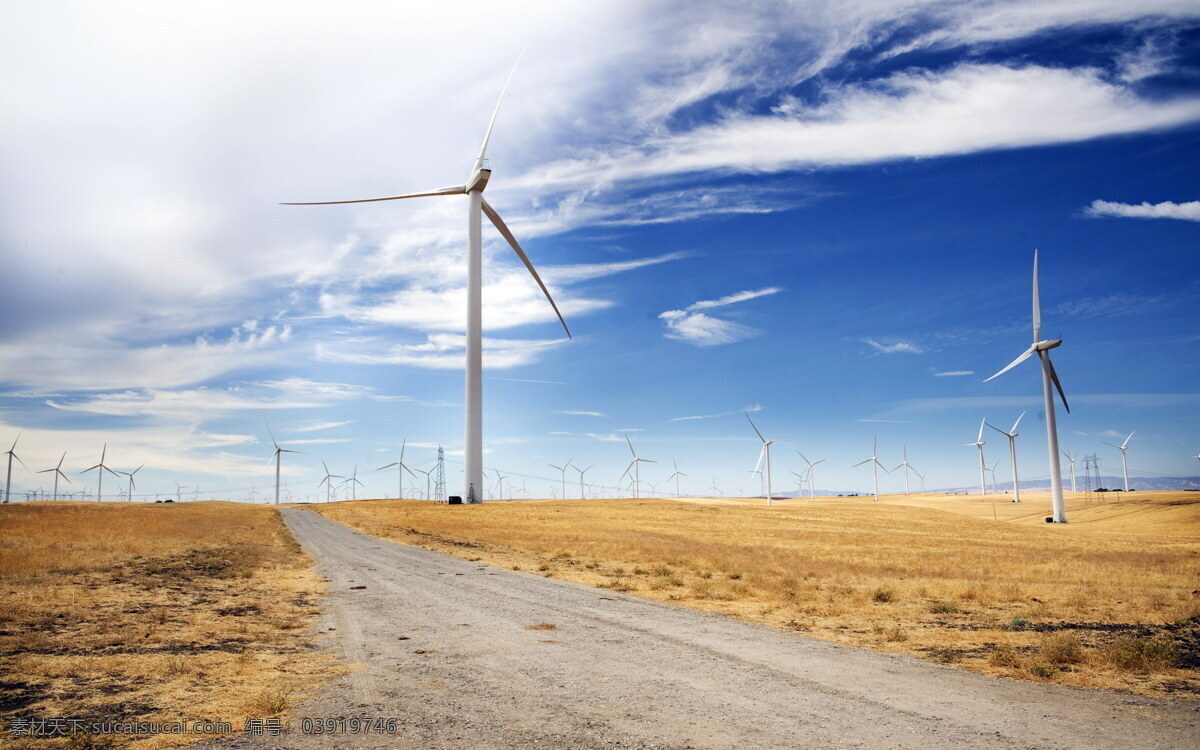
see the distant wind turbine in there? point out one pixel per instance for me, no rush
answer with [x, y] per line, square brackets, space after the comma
[714, 486]
[100, 469]
[635, 465]
[811, 473]
[1071, 459]
[875, 465]
[11, 453]
[57, 473]
[1012, 454]
[764, 452]
[473, 188]
[1049, 376]
[676, 477]
[800, 482]
[979, 443]
[278, 453]
[328, 481]
[1124, 465]
[992, 471]
[563, 477]
[907, 468]
[401, 467]
[130, 475]
[353, 480]
[179, 492]
[581, 473]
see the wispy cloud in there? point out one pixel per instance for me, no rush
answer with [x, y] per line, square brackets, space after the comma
[752, 409]
[695, 327]
[896, 347]
[1117, 304]
[887, 421]
[446, 351]
[314, 441]
[318, 426]
[953, 373]
[582, 413]
[1189, 211]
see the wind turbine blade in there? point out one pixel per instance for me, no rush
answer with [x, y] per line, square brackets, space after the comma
[97, 466]
[414, 476]
[488, 135]
[979, 439]
[627, 469]
[756, 432]
[631, 450]
[273, 440]
[814, 463]
[455, 190]
[1014, 427]
[761, 452]
[394, 463]
[18, 437]
[46, 471]
[997, 429]
[1024, 356]
[1057, 384]
[14, 455]
[647, 461]
[110, 471]
[864, 461]
[512, 241]
[885, 469]
[1127, 440]
[1037, 305]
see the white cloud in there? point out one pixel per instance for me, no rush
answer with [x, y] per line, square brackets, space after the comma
[953, 373]
[697, 328]
[318, 426]
[446, 351]
[896, 347]
[582, 413]
[751, 409]
[1118, 304]
[1189, 211]
[314, 441]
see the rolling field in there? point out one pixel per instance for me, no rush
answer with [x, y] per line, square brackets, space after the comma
[174, 612]
[1106, 601]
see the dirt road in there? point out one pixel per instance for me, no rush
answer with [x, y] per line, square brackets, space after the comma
[449, 650]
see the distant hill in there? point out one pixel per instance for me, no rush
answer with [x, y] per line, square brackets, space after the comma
[1147, 484]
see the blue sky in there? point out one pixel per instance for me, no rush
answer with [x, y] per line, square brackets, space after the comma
[821, 213]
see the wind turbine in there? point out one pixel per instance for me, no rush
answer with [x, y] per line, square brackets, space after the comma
[473, 188]
[992, 471]
[765, 452]
[635, 464]
[57, 473]
[278, 452]
[1071, 458]
[327, 481]
[1042, 349]
[500, 483]
[581, 473]
[800, 482]
[11, 453]
[1124, 465]
[875, 465]
[130, 475]
[1012, 453]
[811, 473]
[100, 469]
[563, 470]
[922, 476]
[907, 468]
[353, 480]
[676, 477]
[979, 443]
[714, 486]
[401, 467]
[427, 479]
[179, 492]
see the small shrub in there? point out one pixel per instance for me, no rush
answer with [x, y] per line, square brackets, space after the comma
[592, 565]
[944, 655]
[883, 596]
[1019, 623]
[1042, 670]
[1142, 654]
[735, 576]
[1062, 648]
[177, 666]
[270, 703]
[1004, 656]
[662, 570]
[895, 634]
[943, 608]
[516, 567]
[639, 571]
[543, 568]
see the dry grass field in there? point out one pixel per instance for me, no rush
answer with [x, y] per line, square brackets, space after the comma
[1109, 600]
[173, 612]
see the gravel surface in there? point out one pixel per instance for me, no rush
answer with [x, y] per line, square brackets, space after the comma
[448, 651]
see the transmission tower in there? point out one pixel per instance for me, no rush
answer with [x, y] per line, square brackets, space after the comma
[1090, 464]
[439, 484]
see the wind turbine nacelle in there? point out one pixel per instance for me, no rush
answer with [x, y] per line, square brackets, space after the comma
[1042, 346]
[478, 179]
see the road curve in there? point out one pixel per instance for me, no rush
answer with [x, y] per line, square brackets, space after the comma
[447, 651]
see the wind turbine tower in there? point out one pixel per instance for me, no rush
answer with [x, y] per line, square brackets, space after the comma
[1124, 465]
[11, 453]
[563, 474]
[100, 469]
[907, 468]
[1012, 453]
[676, 477]
[764, 452]
[811, 473]
[1049, 376]
[57, 473]
[875, 465]
[131, 485]
[473, 188]
[401, 467]
[278, 452]
[979, 444]
[636, 466]
[1071, 459]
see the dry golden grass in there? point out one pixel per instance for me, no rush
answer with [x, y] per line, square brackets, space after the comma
[1099, 602]
[172, 612]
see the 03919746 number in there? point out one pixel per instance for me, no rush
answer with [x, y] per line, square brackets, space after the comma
[347, 725]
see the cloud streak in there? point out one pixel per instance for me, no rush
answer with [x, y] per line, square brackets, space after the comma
[697, 328]
[1189, 211]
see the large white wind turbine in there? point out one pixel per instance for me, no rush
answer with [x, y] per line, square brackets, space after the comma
[1072, 459]
[979, 443]
[764, 452]
[676, 477]
[11, 453]
[907, 468]
[278, 452]
[100, 469]
[811, 473]
[1049, 376]
[401, 467]
[130, 475]
[1124, 465]
[635, 465]
[563, 476]
[57, 473]
[875, 465]
[1012, 453]
[473, 188]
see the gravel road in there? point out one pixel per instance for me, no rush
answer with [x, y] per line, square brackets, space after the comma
[448, 651]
